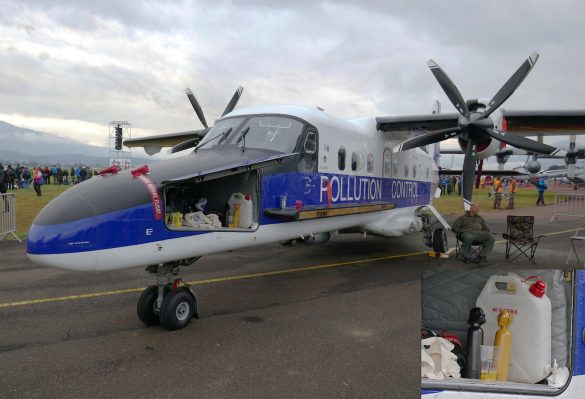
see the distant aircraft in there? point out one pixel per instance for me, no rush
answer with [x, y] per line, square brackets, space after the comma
[261, 175]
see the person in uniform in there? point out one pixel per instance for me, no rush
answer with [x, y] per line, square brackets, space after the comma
[471, 229]
[498, 191]
[512, 188]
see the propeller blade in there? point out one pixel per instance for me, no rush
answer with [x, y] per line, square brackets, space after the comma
[468, 173]
[430, 138]
[183, 145]
[520, 142]
[511, 85]
[449, 88]
[196, 107]
[232, 104]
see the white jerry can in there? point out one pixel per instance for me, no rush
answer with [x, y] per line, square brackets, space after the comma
[246, 218]
[530, 352]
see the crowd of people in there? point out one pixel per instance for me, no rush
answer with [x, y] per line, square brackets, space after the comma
[23, 177]
[501, 187]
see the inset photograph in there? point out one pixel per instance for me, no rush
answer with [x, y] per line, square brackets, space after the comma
[503, 333]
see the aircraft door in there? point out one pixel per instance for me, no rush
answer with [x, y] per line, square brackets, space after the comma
[387, 171]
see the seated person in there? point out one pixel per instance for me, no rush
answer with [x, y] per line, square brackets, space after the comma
[471, 229]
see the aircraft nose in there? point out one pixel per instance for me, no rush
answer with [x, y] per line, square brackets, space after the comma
[61, 235]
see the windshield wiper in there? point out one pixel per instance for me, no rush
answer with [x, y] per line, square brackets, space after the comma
[243, 137]
[223, 136]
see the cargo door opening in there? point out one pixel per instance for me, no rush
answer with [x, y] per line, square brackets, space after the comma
[449, 295]
[226, 203]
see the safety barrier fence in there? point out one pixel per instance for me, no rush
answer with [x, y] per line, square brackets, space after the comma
[8, 216]
[569, 205]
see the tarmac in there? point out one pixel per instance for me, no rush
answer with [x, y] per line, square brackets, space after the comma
[336, 320]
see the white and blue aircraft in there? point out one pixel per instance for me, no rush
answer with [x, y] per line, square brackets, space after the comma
[296, 172]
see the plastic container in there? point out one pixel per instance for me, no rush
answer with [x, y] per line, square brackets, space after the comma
[530, 352]
[472, 368]
[246, 218]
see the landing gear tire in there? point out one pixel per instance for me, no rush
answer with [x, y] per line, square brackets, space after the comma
[146, 306]
[177, 309]
[440, 240]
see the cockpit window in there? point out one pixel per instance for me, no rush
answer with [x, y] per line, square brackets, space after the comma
[221, 132]
[275, 133]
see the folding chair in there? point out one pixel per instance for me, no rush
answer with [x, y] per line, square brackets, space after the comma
[520, 238]
[576, 238]
[475, 248]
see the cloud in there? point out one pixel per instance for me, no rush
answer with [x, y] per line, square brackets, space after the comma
[100, 61]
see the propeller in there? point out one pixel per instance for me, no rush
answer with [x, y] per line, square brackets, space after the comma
[196, 107]
[229, 108]
[235, 98]
[475, 125]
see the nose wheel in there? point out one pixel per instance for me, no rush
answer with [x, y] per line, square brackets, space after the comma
[177, 309]
[170, 303]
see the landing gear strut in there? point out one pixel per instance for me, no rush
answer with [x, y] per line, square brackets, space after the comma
[171, 302]
[435, 238]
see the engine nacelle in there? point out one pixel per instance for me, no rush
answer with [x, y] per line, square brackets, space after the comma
[533, 166]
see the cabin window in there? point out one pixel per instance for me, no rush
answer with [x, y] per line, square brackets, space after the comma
[357, 162]
[310, 146]
[413, 171]
[405, 170]
[427, 173]
[341, 158]
[370, 163]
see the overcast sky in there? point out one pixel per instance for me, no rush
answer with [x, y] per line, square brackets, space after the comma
[71, 67]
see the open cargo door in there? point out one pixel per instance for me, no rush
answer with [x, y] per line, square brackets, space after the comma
[223, 198]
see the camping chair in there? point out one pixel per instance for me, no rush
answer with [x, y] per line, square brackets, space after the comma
[475, 247]
[578, 237]
[520, 238]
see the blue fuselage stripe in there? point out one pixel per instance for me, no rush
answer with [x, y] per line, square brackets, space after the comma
[136, 225]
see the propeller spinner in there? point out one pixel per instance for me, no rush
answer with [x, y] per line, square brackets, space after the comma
[475, 126]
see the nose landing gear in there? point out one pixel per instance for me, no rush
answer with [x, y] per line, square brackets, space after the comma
[171, 302]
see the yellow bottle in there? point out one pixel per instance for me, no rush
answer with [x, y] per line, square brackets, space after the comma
[503, 341]
[237, 215]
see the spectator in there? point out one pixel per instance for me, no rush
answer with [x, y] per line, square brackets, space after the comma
[3, 188]
[541, 187]
[46, 175]
[65, 176]
[471, 229]
[498, 190]
[10, 177]
[26, 178]
[512, 188]
[18, 176]
[38, 182]
[83, 173]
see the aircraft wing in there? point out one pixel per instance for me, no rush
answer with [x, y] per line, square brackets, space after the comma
[547, 123]
[484, 172]
[153, 144]
[428, 122]
[525, 123]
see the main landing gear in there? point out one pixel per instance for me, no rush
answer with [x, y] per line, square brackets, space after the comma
[435, 238]
[171, 302]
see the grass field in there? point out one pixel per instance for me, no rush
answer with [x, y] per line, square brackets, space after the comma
[453, 204]
[28, 205]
